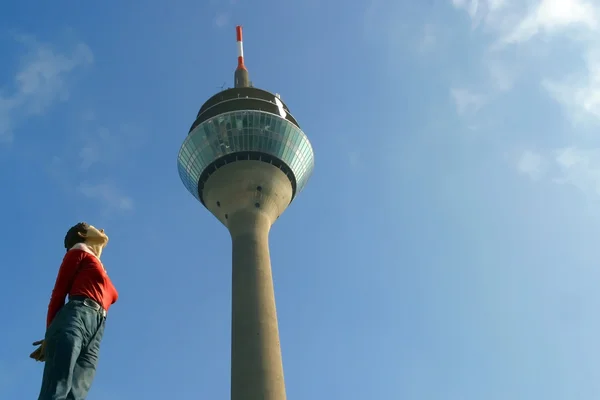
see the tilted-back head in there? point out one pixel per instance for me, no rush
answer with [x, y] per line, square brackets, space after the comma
[83, 232]
[76, 234]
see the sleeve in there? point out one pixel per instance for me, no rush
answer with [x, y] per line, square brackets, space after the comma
[66, 274]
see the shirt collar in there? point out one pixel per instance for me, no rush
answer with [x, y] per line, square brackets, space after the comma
[84, 247]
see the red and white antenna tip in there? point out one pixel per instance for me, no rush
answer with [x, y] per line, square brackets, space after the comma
[240, 46]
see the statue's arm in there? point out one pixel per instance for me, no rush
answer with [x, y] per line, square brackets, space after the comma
[66, 274]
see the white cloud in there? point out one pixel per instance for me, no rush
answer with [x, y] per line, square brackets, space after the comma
[530, 164]
[221, 19]
[467, 102]
[579, 94]
[428, 38]
[108, 195]
[502, 74]
[470, 5]
[580, 168]
[98, 147]
[40, 82]
[553, 15]
[517, 21]
[514, 22]
[89, 155]
[96, 151]
[481, 10]
[573, 166]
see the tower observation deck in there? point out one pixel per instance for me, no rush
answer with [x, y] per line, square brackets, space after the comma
[245, 159]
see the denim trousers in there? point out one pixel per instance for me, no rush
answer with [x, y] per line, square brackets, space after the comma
[72, 348]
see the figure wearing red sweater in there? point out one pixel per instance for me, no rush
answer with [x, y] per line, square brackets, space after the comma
[74, 330]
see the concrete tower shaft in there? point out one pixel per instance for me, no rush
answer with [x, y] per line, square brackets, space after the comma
[254, 194]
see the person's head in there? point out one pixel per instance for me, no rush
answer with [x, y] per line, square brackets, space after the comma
[88, 234]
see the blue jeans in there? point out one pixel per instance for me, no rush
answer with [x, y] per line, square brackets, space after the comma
[72, 347]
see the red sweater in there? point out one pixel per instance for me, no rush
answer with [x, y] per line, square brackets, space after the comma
[84, 273]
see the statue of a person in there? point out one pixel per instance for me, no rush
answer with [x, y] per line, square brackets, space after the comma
[74, 330]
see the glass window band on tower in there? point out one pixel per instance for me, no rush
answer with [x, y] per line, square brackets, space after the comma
[246, 134]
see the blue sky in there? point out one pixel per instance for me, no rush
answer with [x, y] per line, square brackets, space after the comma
[445, 247]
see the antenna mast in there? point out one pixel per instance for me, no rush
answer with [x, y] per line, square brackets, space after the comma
[241, 77]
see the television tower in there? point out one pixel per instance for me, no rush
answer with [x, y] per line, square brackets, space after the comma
[245, 159]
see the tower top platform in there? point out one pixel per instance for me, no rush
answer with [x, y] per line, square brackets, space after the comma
[243, 98]
[238, 125]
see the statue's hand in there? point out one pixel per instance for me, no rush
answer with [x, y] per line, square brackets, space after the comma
[39, 353]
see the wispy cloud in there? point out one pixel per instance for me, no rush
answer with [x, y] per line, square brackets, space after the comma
[530, 164]
[107, 195]
[223, 13]
[78, 181]
[428, 38]
[221, 19]
[551, 16]
[100, 145]
[511, 26]
[466, 101]
[515, 21]
[502, 74]
[94, 156]
[571, 166]
[41, 81]
[579, 168]
[481, 10]
[579, 93]
[471, 6]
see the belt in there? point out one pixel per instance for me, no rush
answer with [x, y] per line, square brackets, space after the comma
[90, 303]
